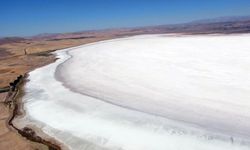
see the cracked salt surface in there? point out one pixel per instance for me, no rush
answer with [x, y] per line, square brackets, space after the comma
[150, 92]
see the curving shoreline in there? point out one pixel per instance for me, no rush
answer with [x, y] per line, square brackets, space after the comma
[29, 130]
[21, 111]
[32, 132]
[76, 96]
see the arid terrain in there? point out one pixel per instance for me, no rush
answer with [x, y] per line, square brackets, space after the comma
[21, 55]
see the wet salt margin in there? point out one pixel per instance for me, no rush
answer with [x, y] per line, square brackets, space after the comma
[93, 104]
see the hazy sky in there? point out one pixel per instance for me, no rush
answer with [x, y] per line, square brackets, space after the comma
[29, 17]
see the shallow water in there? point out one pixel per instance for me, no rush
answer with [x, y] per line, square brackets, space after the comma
[151, 92]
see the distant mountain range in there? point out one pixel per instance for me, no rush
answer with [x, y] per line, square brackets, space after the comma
[224, 25]
[223, 19]
[11, 40]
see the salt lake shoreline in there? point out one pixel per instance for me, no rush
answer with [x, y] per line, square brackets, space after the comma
[21, 111]
[30, 133]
